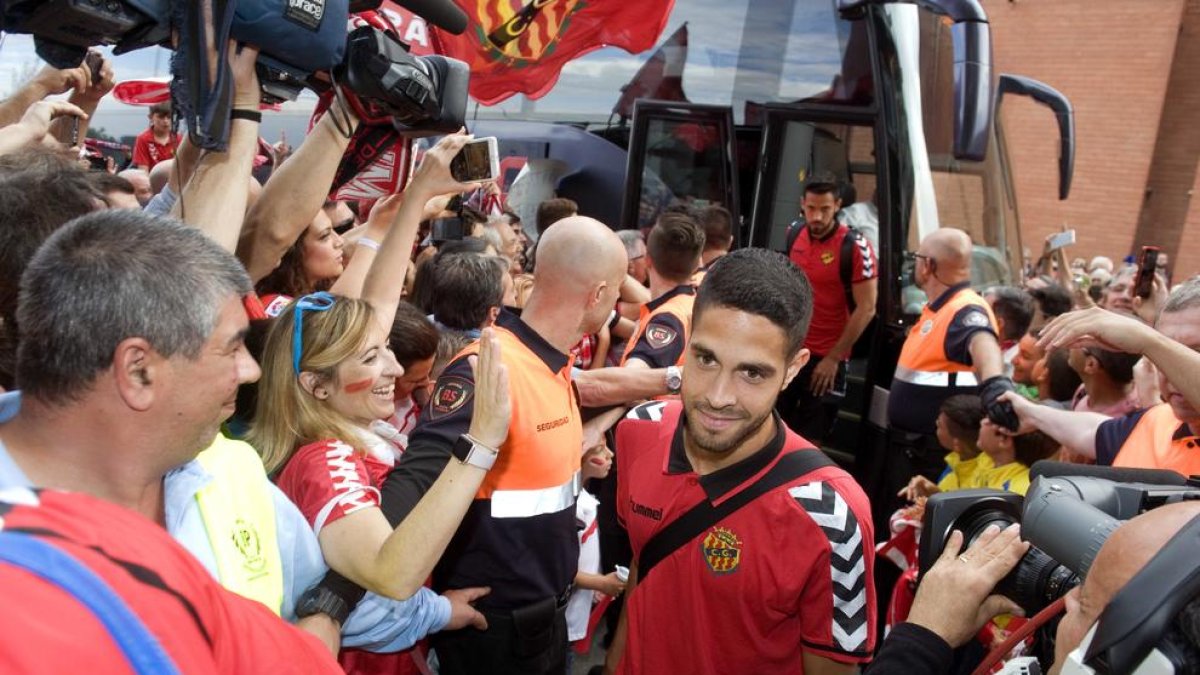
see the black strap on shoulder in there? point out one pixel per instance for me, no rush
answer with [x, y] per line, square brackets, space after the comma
[793, 233]
[704, 515]
[846, 265]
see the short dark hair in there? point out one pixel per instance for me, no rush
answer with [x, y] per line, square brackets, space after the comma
[1033, 447]
[466, 288]
[413, 337]
[1014, 306]
[738, 280]
[1064, 381]
[718, 227]
[1117, 365]
[1054, 300]
[87, 289]
[823, 183]
[41, 190]
[160, 109]
[674, 246]
[553, 210]
[964, 415]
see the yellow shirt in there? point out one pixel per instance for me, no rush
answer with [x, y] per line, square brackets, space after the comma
[1012, 477]
[963, 473]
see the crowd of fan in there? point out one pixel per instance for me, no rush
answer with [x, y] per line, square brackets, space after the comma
[137, 308]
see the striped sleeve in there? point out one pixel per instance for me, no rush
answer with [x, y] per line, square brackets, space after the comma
[846, 629]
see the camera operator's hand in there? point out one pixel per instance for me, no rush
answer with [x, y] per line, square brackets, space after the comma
[246, 92]
[1097, 328]
[955, 597]
[433, 177]
[489, 423]
[999, 409]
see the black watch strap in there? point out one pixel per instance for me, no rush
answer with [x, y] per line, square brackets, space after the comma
[319, 600]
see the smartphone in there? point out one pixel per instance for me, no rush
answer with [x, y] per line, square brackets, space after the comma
[1061, 240]
[442, 230]
[1146, 269]
[478, 161]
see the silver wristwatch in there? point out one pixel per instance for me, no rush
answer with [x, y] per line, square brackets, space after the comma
[470, 451]
[674, 379]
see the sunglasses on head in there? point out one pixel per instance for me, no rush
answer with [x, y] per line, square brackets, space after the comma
[313, 302]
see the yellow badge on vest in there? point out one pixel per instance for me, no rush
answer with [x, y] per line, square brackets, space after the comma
[722, 550]
[249, 545]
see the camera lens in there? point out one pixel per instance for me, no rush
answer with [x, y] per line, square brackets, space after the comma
[1037, 581]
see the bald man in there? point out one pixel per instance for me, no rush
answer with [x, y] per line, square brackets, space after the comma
[518, 537]
[952, 349]
[141, 185]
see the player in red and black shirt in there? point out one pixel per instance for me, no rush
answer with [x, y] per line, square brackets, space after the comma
[841, 266]
[782, 584]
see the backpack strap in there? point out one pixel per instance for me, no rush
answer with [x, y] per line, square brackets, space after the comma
[704, 515]
[141, 648]
[793, 233]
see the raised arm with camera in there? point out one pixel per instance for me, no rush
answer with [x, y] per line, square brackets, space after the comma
[214, 197]
[294, 194]
[34, 127]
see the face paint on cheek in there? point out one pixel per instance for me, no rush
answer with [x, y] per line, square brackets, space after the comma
[361, 385]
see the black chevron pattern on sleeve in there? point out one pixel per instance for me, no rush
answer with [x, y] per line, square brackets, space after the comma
[847, 568]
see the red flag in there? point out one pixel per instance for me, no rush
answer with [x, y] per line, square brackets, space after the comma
[660, 78]
[520, 46]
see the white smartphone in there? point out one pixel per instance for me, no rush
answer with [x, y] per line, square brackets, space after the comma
[477, 162]
[1061, 240]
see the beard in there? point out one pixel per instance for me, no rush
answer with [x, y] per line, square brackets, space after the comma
[724, 442]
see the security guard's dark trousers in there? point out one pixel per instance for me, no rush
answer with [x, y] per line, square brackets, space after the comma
[528, 641]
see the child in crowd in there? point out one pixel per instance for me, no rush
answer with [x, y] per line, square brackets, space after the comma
[596, 464]
[957, 431]
[1011, 457]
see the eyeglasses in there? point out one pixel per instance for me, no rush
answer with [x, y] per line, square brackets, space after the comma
[313, 302]
[921, 256]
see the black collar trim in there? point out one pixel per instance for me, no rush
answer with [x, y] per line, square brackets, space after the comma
[554, 359]
[681, 289]
[950, 293]
[733, 477]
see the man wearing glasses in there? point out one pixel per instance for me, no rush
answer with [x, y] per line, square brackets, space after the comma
[952, 349]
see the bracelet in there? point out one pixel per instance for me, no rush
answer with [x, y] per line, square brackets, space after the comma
[369, 243]
[240, 114]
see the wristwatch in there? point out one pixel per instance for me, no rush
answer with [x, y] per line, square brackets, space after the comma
[674, 379]
[470, 451]
[320, 600]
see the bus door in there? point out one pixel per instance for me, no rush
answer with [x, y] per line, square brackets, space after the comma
[679, 154]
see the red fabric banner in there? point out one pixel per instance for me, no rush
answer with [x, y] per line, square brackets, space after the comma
[520, 46]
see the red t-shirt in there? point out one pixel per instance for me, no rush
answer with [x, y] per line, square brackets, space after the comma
[788, 573]
[147, 152]
[328, 480]
[202, 627]
[821, 261]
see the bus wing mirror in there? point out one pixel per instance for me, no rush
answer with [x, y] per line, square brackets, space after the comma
[972, 38]
[1063, 113]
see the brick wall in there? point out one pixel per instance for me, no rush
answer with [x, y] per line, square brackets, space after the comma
[1112, 59]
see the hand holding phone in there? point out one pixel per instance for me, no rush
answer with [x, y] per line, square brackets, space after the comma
[1146, 269]
[477, 162]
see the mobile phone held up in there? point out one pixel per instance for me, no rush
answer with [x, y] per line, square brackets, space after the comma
[1061, 240]
[1146, 268]
[477, 162]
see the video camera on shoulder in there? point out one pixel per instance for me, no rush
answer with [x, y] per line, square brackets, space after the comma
[303, 43]
[1067, 518]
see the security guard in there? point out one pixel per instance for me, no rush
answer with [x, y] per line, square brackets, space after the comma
[518, 537]
[673, 250]
[953, 349]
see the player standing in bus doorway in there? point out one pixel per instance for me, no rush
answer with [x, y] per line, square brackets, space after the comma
[841, 266]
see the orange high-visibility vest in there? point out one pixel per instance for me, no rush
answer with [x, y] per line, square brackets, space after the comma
[1154, 444]
[678, 305]
[923, 358]
[537, 470]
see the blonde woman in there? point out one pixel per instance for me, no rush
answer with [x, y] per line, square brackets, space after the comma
[327, 375]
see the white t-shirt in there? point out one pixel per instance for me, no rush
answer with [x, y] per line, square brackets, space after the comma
[579, 607]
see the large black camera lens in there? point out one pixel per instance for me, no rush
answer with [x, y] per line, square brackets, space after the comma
[1036, 581]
